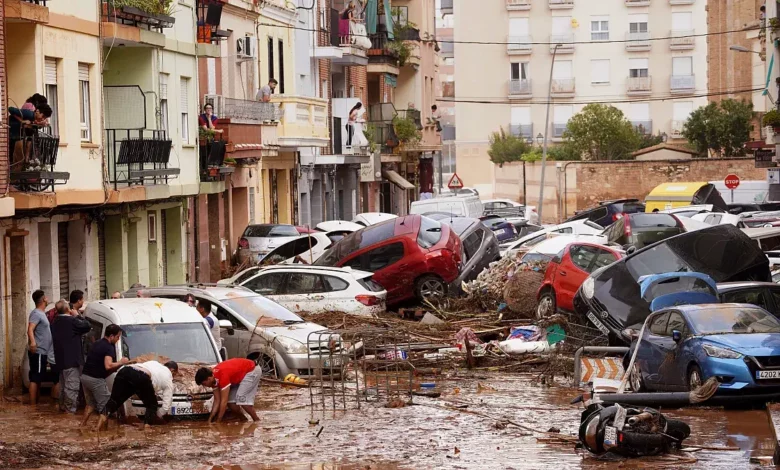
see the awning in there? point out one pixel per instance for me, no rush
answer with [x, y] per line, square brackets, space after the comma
[397, 179]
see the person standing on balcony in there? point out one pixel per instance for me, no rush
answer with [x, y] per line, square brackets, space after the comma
[208, 120]
[345, 18]
[23, 123]
[354, 113]
[264, 93]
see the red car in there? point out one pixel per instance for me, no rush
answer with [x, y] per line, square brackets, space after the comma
[566, 273]
[411, 256]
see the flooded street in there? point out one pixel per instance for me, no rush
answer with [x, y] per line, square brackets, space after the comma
[426, 435]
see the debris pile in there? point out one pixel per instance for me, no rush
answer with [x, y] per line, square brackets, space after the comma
[510, 281]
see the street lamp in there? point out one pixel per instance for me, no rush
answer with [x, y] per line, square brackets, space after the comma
[539, 139]
[737, 48]
[546, 130]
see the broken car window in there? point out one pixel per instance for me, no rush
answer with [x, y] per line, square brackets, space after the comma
[582, 256]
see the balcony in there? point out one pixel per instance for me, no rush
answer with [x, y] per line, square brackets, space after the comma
[644, 127]
[562, 88]
[565, 43]
[518, 5]
[682, 40]
[212, 159]
[558, 129]
[682, 2]
[637, 3]
[520, 89]
[351, 37]
[638, 86]
[131, 26]
[303, 121]
[446, 7]
[209, 18]
[381, 58]
[638, 41]
[32, 164]
[31, 11]
[447, 49]
[138, 157]
[682, 84]
[519, 45]
[676, 130]
[522, 130]
[248, 127]
[561, 4]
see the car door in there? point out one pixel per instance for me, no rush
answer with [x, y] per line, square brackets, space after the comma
[669, 377]
[391, 270]
[236, 339]
[572, 272]
[303, 292]
[338, 295]
[774, 306]
[266, 283]
[650, 356]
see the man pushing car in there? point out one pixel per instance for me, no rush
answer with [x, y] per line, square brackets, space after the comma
[235, 383]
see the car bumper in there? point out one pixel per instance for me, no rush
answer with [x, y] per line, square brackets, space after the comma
[737, 374]
[595, 313]
[181, 405]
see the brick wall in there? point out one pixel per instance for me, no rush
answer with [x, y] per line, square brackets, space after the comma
[357, 76]
[3, 106]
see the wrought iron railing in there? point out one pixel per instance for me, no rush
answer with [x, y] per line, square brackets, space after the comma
[36, 2]
[138, 156]
[209, 17]
[383, 134]
[32, 163]
[682, 82]
[520, 87]
[250, 110]
[115, 12]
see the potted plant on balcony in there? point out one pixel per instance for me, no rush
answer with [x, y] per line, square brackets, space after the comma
[206, 136]
[772, 119]
[159, 10]
[229, 161]
[406, 131]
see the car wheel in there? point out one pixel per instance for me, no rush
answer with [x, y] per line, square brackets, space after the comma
[637, 384]
[546, 306]
[430, 287]
[695, 379]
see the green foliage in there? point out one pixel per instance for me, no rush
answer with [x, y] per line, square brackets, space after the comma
[370, 132]
[156, 7]
[563, 152]
[506, 148]
[772, 118]
[649, 140]
[400, 49]
[722, 129]
[406, 130]
[206, 134]
[601, 132]
[534, 154]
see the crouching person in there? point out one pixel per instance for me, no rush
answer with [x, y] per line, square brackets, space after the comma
[146, 380]
[100, 363]
[235, 383]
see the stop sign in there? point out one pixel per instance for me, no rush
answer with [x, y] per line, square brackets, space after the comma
[731, 181]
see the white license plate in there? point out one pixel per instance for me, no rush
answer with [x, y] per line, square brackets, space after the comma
[768, 374]
[181, 410]
[599, 325]
[335, 362]
[610, 435]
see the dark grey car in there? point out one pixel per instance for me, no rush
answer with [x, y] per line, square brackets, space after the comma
[480, 247]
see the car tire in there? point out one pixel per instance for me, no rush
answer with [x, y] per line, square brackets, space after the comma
[636, 381]
[694, 378]
[430, 287]
[546, 305]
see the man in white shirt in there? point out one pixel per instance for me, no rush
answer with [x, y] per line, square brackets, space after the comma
[204, 309]
[147, 380]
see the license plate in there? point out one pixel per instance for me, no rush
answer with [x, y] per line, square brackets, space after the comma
[335, 362]
[768, 374]
[181, 410]
[610, 435]
[599, 325]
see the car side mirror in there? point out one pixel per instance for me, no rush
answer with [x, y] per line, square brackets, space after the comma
[629, 249]
[223, 353]
[676, 336]
[226, 324]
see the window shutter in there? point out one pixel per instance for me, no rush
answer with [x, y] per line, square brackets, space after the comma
[599, 71]
[50, 71]
[640, 111]
[561, 25]
[682, 66]
[185, 93]
[638, 18]
[521, 115]
[682, 21]
[163, 86]
[681, 110]
[518, 26]
[562, 113]
[84, 72]
[638, 64]
[562, 69]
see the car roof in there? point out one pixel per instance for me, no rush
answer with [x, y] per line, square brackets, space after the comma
[461, 224]
[219, 292]
[406, 224]
[699, 307]
[356, 273]
[144, 311]
[729, 286]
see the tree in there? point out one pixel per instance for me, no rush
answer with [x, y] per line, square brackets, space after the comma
[723, 129]
[601, 132]
[505, 148]
[649, 140]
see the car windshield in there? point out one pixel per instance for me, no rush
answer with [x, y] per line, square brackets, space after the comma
[270, 231]
[430, 232]
[253, 308]
[733, 320]
[181, 342]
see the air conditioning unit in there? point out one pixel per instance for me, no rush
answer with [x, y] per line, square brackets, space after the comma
[217, 101]
[246, 48]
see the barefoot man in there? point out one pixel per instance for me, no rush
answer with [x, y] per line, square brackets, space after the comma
[235, 383]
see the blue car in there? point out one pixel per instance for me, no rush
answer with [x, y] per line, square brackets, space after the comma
[683, 346]
[503, 229]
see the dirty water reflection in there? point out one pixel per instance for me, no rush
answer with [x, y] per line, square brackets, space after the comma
[374, 437]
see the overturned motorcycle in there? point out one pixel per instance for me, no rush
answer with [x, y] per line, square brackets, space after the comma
[629, 431]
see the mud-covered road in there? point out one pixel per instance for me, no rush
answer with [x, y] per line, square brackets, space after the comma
[427, 435]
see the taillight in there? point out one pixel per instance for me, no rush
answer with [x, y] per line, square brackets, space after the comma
[628, 229]
[243, 243]
[367, 300]
[617, 215]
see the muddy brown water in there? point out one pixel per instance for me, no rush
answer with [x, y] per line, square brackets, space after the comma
[374, 437]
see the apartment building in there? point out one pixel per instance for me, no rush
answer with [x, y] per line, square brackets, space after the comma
[445, 35]
[643, 56]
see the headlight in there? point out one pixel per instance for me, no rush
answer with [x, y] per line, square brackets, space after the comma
[292, 346]
[589, 287]
[720, 353]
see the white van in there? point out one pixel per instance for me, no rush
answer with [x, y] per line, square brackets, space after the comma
[461, 205]
[166, 328]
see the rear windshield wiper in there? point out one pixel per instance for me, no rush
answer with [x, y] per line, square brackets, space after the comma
[293, 322]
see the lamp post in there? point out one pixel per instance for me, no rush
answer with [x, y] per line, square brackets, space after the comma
[546, 130]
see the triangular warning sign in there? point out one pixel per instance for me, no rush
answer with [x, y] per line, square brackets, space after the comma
[455, 182]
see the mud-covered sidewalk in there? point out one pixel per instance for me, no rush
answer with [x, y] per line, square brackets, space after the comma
[465, 429]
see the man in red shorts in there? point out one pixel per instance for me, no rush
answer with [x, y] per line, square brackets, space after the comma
[235, 383]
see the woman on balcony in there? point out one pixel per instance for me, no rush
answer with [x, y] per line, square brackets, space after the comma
[207, 123]
[345, 19]
[355, 135]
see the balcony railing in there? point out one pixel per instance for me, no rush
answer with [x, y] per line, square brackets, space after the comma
[32, 163]
[212, 160]
[447, 49]
[682, 83]
[519, 45]
[518, 5]
[682, 2]
[37, 2]
[639, 41]
[637, 3]
[638, 85]
[682, 39]
[247, 110]
[677, 128]
[562, 86]
[132, 16]
[138, 156]
[413, 114]
[522, 130]
[209, 17]
[348, 33]
[565, 43]
[383, 134]
[558, 129]
[448, 89]
[520, 87]
[644, 127]
[560, 4]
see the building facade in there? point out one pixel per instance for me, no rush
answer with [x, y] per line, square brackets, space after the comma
[647, 58]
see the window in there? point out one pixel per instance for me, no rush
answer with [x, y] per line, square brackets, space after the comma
[185, 110]
[519, 70]
[713, 219]
[50, 80]
[266, 284]
[281, 67]
[334, 284]
[639, 112]
[676, 322]
[400, 16]
[561, 28]
[252, 205]
[472, 243]
[163, 117]
[430, 232]
[384, 256]
[304, 283]
[599, 28]
[271, 73]
[637, 68]
[449, 61]
[246, 275]
[582, 256]
[681, 110]
[682, 66]
[518, 27]
[754, 297]
[658, 324]
[84, 114]
[604, 258]
[562, 113]
[562, 70]
[637, 24]
[682, 22]
[223, 314]
[769, 243]
[599, 71]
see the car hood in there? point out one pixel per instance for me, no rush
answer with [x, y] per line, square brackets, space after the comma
[749, 344]
[299, 331]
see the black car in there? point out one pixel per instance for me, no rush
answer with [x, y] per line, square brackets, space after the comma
[763, 294]
[738, 208]
[610, 297]
[640, 230]
[608, 212]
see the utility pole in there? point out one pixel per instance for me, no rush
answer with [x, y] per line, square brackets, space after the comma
[546, 131]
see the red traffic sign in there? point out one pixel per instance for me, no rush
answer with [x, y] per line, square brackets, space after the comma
[731, 181]
[455, 182]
